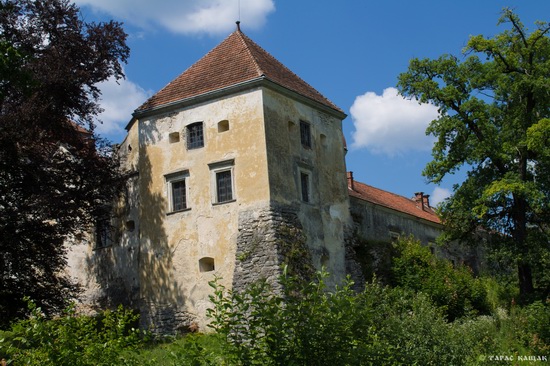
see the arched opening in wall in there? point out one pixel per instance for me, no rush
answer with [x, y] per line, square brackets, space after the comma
[130, 225]
[223, 126]
[174, 137]
[291, 127]
[325, 258]
[206, 264]
[323, 139]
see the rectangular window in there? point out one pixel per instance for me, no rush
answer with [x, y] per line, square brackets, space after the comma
[222, 181]
[224, 187]
[179, 199]
[305, 134]
[177, 191]
[102, 233]
[195, 135]
[304, 180]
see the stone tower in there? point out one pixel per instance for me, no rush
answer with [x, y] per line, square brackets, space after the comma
[234, 168]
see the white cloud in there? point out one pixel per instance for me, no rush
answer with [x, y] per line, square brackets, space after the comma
[438, 195]
[187, 16]
[390, 124]
[119, 100]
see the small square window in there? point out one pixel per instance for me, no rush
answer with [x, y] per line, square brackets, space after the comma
[177, 191]
[305, 134]
[195, 136]
[174, 137]
[223, 126]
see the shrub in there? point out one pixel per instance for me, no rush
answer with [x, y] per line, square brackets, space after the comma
[453, 288]
[309, 324]
[70, 339]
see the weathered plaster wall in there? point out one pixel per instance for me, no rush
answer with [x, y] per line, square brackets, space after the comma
[325, 218]
[376, 227]
[109, 275]
[172, 284]
[377, 223]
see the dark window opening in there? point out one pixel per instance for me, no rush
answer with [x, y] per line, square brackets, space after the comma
[206, 264]
[195, 136]
[305, 134]
[304, 180]
[102, 233]
[224, 189]
[179, 199]
[174, 137]
[223, 126]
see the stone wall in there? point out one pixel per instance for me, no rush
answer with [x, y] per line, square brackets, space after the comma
[268, 239]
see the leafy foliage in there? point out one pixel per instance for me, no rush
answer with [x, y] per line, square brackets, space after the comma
[310, 325]
[55, 176]
[453, 288]
[493, 121]
[70, 340]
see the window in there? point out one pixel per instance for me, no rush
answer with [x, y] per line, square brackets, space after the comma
[102, 233]
[195, 135]
[177, 191]
[174, 137]
[222, 181]
[223, 126]
[224, 189]
[304, 183]
[305, 134]
[394, 236]
[206, 264]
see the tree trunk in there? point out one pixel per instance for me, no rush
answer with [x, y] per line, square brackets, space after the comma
[525, 278]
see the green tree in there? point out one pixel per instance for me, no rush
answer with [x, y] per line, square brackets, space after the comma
[55, 176]
[494, 104]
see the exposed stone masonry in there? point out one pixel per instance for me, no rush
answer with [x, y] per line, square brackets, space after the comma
[267, 240]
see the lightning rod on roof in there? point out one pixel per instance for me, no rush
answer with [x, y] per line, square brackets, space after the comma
[239, 13]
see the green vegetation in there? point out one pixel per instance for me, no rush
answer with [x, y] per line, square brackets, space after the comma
[55, 179]
[465, 321]
[494, 124]
[453, 289]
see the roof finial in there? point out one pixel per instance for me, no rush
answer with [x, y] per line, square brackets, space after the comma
[238, 25]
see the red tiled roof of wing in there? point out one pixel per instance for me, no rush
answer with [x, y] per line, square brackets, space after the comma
[235, 60]
[392, 201]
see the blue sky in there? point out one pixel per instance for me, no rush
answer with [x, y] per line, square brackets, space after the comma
[352, 51]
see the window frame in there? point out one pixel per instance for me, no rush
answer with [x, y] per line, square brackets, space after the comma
[190, 134]
[177, 177]
[226, 166]
[103, 233]
[305, 195]
[305, 134]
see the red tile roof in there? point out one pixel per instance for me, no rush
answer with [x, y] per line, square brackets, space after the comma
[235, 60]
[392, 201]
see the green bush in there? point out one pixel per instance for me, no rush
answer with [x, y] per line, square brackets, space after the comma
[453, 288]
[307, 324]
[70, 339]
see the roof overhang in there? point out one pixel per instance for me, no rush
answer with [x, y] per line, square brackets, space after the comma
[261, 81]
[385, 208]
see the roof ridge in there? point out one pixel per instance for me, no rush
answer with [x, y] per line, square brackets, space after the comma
[287, 69]
[243, 38]
[235, 60]
[375, 195]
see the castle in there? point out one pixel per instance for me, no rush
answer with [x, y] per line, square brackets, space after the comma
[234, 168]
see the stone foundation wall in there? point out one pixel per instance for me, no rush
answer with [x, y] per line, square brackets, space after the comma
[269, 239]
[166, 319]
